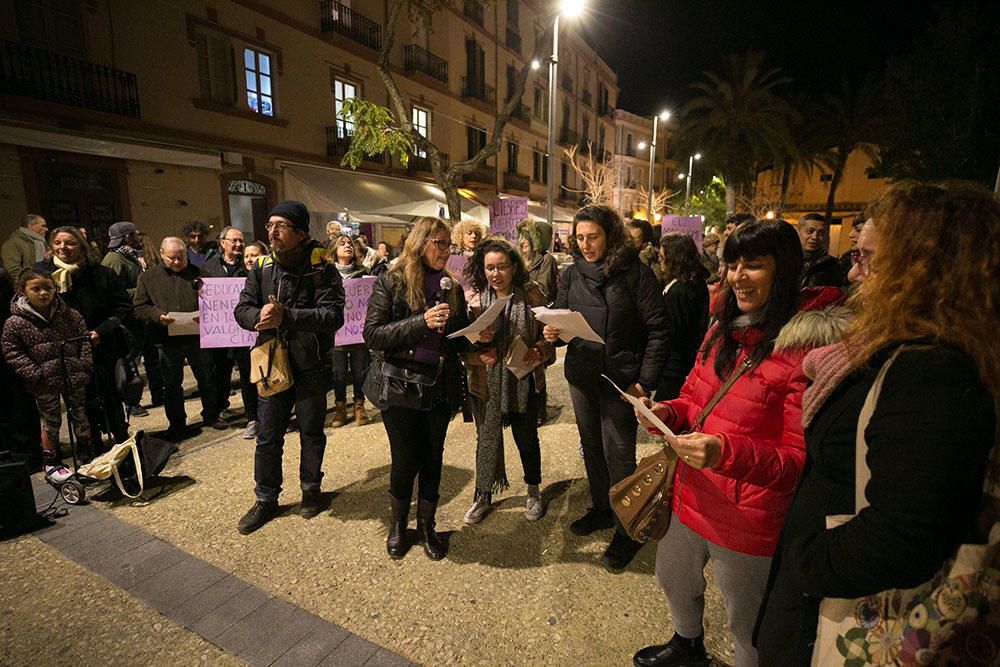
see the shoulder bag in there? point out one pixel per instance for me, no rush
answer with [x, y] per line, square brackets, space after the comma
[391, 384]
[641, 501]
[270, 366]
[950, 620]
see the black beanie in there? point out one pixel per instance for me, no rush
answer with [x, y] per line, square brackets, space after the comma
[294, 212]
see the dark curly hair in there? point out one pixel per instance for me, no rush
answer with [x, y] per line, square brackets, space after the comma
[680, 258]
[618, 250]
[751, 240]
[475, 269]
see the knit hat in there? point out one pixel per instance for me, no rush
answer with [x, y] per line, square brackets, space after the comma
[117, 233]
[294, 212]
[538, 233]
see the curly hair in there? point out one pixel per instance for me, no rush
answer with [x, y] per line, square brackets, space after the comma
[194, 226]
[680, 258]
[644, 226]
[760, 238]
[475, 269]
[459, 231]
[935, 274]
[619, 252]
[409, 268]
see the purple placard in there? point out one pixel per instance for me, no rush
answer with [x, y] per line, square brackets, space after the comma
[356, 294]
[456, 264]
[505, 214]
[217, 325]
[691, 225]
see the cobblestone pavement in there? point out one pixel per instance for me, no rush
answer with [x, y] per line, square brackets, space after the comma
[509, 592]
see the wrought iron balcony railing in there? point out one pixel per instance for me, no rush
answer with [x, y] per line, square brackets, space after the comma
[479, 90]
[473, 9]
[423, 164]
[337, 146]
[513, 40]
[341, 19]
[514, 181]
[568, 137]
[416, 59]
[482, 174]
[26, 71]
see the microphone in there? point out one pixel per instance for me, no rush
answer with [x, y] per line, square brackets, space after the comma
[446, 285]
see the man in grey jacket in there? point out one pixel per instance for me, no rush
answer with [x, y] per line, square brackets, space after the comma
[294, 295]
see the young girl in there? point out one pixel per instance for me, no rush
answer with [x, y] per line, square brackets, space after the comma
[38, 328]
[496, 270]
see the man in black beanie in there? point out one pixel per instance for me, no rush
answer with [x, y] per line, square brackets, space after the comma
[298, 297]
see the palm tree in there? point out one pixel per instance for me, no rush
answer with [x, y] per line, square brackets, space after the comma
[854, 118]
[739, 121]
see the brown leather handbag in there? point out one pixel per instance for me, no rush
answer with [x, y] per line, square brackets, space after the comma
[641, 501]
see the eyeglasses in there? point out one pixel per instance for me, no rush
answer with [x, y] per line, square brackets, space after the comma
[278, 226]
[234, 240]
[442, 244]
[863, 260]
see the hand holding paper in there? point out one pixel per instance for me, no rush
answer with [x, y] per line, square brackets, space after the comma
[183, 324]
[485, 320]
[571, 324]
[647, 414]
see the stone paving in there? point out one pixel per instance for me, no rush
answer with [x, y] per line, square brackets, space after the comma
[509, 592]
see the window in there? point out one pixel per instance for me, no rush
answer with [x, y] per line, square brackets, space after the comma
[51, 25]
[628, 145]
[343, 90]
[214, 67]
[540, 106]
[539, 167]
[586, 128]
[257, 68]
[511, 80]
[512, 13]
[512, 157]
[825, 178]
[422, 124]
[475, 140]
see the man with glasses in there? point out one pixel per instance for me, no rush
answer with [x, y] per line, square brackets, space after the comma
[230, 265]
[172, 287]
[296, 296]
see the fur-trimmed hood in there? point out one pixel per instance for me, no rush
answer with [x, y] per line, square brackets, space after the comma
[538, 233]
[821, 320]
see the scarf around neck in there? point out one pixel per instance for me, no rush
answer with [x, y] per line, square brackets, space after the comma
[128, 251]
[63, 275]
[39, 241]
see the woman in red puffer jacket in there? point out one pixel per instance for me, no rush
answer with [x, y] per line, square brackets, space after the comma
[738, 468]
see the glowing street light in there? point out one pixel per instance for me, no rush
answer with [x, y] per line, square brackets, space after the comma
[570, 9]
[687, 194]
[535, 64]
[664, 116]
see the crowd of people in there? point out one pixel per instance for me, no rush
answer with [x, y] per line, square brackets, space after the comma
[760, 379]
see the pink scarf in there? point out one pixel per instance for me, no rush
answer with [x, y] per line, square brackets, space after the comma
[826, 366]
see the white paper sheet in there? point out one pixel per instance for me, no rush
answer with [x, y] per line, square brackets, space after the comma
[516, 363]
[645, 412]
[184, 324]
[488, 317]
[571, 322]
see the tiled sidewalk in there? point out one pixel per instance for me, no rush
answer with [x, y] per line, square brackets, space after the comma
[240, 618]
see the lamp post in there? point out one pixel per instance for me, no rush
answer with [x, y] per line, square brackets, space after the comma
[570, 8]
[687, 193]
[664, 116]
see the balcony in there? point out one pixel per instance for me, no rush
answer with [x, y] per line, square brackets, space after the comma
[478, 90]
[473, 10]
[416, 59]
[566, 82]
[514, 181]
[341, 19]
[568, 137]
[607, 110]
[587, 97]
[483, 174]
[423, 164]
[522, 113]
[41, 75]
[513, 41]
[337, 146]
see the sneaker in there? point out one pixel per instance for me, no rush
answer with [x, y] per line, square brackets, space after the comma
[581, 451]
[312, 504]
[480, 508]
[534, 509]
[594, 519]
[57, 474]
[678, 651]
[137, 411]
[261, 512]
[250, 432]
[620, 552]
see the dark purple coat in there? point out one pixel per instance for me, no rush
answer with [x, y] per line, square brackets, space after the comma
[31, 347]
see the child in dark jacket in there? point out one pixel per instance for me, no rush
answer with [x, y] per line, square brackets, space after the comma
[38, 328]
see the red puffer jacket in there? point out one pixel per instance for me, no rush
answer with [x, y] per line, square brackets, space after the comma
[741, 502]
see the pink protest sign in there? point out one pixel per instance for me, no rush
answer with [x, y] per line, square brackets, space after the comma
[356, 294]
[217, 325]
[505, 214]
[456, 264]
[691, 225]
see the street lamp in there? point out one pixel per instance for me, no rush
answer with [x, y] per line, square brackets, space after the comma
[569, 8]
[664, 116]
[687, 194]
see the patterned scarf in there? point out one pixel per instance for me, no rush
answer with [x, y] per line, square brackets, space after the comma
[505, 393]
[128, 251]
[63, 275]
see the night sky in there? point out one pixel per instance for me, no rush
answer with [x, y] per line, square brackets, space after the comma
[660, 47]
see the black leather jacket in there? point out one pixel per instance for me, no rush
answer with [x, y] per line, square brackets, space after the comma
[393, 329]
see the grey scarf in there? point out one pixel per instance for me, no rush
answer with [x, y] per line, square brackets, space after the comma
[39, 241]
[505, 393]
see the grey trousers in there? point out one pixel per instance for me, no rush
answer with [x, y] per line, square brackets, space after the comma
[680, 568]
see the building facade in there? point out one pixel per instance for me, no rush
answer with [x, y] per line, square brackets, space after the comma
[633, 141]
[162, 113]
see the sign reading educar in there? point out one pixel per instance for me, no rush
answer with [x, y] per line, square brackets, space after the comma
[217, 327]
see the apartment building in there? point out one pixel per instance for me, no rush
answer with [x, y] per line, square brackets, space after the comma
[165, 112]
[633, 141]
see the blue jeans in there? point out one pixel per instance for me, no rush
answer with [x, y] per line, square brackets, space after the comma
[308, 396]
[358, 357]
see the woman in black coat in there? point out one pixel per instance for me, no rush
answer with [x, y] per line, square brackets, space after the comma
[685, 304]
[97, 293]
[410, 312]
[929, 438]
[619, 298]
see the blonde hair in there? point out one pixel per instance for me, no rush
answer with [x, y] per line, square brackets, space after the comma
[409, 268]
[459, 231]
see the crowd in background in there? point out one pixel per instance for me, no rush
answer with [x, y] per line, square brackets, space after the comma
[759, 349]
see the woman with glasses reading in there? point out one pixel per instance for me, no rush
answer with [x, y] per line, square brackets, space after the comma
[416, 375]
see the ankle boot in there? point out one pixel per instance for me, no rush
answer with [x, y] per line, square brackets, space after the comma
[434, 546]
[339, 414]
[395, 544]
[360, 418]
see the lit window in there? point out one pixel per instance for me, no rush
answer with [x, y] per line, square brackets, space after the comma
[342, 91]
[257, 68]
[422, 124]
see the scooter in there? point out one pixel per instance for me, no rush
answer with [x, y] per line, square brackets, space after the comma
[73, 489]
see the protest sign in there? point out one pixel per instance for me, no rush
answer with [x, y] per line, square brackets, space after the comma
[505, 214]
[691, 225]
[217, 325]
[356, 294]
[456, 264]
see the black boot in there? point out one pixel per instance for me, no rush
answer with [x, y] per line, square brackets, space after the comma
[434, 546]
[678, 652]
[620, 552]
[395, 544]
